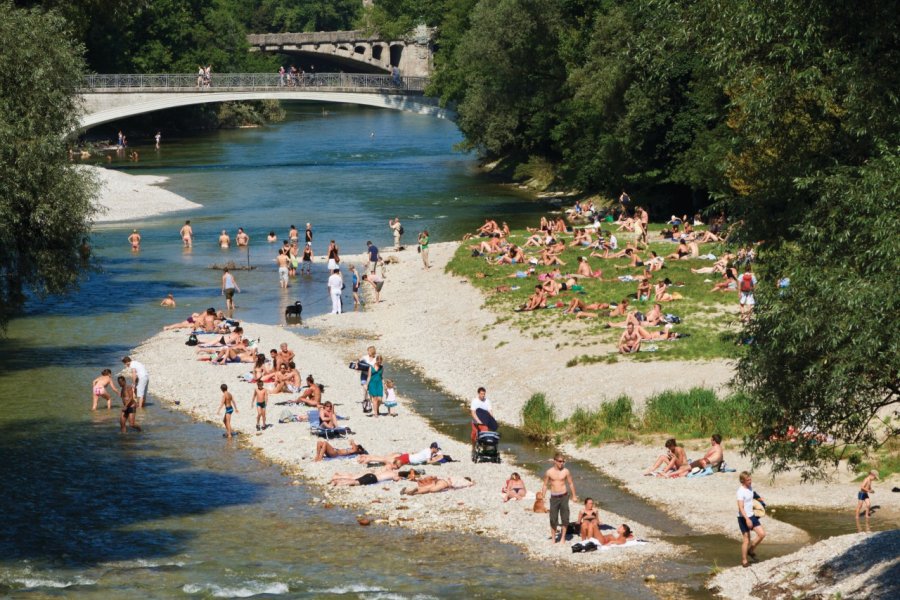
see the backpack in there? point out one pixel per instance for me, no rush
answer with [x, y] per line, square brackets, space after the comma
[192, 340]
[746, 282]
[401, 231]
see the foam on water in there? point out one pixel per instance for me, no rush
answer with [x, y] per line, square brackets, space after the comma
[356, 588]
[245, 589]
[31, 582]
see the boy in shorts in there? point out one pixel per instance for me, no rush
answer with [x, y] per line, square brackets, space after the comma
[129, 405]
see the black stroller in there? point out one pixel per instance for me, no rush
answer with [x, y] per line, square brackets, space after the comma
[485, 444]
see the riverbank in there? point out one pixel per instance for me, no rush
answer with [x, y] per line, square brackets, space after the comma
[124, 197]
[193, 387]
[859, 565]
[427, 313]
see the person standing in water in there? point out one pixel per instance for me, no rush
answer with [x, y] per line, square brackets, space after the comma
[862, 498]
[129, 406]
[140, 379]
[557, 478]
[230, 407]
[158, 137]
[335, 285]
[309, 234]
[747, 521]
[229, 285]
[397, 230]
[135, 240]
[187, 234]
[98, 389]
[261, 398]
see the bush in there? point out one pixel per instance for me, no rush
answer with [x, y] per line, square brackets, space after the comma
[611, 421]
[538, 418]
[696, 413]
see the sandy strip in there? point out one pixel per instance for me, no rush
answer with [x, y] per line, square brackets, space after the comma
[858, 565]
[124, 197]
[437, 321]
[176, 376]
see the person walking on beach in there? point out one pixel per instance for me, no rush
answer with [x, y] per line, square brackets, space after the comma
[283, 262]
[367, 360]
[230, 407]
[229, 285]
[862, 498]
[397, 230]
[354, 280]
[747, 521]
[187, 234]
[372, 250]
[335, 285]
[261, 398]
[135, 240]
[390, 398]
[140, 379]
[482, 413]
[423, 248]
[557, 478]
[98, 389]
[128, 406]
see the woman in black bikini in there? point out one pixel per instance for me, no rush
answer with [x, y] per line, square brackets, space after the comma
[514, 488]
[590, 521]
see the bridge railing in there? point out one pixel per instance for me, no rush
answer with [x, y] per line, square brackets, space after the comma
[254, 82]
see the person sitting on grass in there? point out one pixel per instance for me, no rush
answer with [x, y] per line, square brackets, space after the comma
[654, 316]
[655, 262]
[325, 449]
[620, 309]
[729, 281]
[582, 238]
[514, 489]
[623, 534]
[661, 294]
[514, 255]
[491, 246]
[643, 289]
[584, 269]
[630, 342]
[432, 485]
[673, 459]
[549, 258]
[635, 259]
[490, 227]
[718, 267]
[537, 300]
[579, 306]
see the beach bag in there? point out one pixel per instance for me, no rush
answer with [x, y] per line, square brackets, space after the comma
[192, 340]
[367, 405]
[746, 283]
[401, 230]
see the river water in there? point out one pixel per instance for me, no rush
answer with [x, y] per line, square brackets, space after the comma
[176, 513]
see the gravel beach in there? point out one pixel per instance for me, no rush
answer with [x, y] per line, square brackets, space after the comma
[124, 197]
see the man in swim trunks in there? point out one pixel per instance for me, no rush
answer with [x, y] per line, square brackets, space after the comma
[370, 478]
[242, 239]
[630, 342]
[230, 407]
[187, 234]
[283, 262]
[862, 497]
[128, 406]
[557, 478]
[140, 379]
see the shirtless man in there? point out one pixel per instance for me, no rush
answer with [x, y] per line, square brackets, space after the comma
[98, 389]
[323, 449]
[285, 356]
[557, 478]
[713, 457]
[242, 353]
[370, 478]
[537, 300]
[224, 240]
[168, 301]
[283, 267]
[135, 240]
[673, 459]
[584, 269]
[129, 406]
[261, 399]
[630, 342]
[241, 239]
[187, 234]
[312, 395]
[580, 306]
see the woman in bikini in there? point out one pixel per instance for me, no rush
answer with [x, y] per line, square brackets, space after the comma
[98, 389]
[514, 488]
[432, 485]
[590, 520]
[623, 534]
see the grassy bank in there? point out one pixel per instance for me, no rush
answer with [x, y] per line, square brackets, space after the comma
[697, 413]
[708, 319]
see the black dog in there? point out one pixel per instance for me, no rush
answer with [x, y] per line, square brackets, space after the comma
[293, 311]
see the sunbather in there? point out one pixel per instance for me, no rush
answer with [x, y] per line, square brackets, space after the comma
[428, 456]
[712, 459]
[673, 459]
[327, 418]
[514, 489]
[630, 341]
[623, 534]
[589, 520]
[432, 485]
[584, 269]
[578, 305]
[537, 300]
[370, 478]
[323, 449]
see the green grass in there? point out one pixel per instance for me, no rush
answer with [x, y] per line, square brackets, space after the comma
[697, 413]
[709, 318]
[539, 418]
[886, 461]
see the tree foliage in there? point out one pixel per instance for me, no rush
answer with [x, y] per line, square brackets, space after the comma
[45, 202]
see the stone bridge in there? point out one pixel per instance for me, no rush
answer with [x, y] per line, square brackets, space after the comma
[354, 49]
[112, 97]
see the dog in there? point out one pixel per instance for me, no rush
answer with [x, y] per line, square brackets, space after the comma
[293, 311]
[539, 506]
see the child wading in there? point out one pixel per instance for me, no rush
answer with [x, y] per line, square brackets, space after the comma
[862, 498]
[260, 397]
[230, 407]
[129, 405]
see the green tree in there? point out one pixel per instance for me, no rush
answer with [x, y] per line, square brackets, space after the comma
[45, 201]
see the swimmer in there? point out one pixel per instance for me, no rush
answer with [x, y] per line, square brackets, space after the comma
[241, 239]
[272, 238]
[135, 240]
[168, 302]
[224, 240]
[98, 389]
[230, 407]
[187, 234]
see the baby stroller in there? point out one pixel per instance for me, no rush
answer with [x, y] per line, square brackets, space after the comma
[485, 444]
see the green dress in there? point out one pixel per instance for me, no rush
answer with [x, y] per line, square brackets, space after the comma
[376, 387]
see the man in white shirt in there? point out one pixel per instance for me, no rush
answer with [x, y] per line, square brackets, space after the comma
[335, 285]
[140, 379]
[482, 413]
[747, 521]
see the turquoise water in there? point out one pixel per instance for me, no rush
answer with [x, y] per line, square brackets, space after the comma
[175, 512]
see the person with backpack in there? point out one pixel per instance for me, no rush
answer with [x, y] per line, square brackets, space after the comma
[397, 230]
[746, 285]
